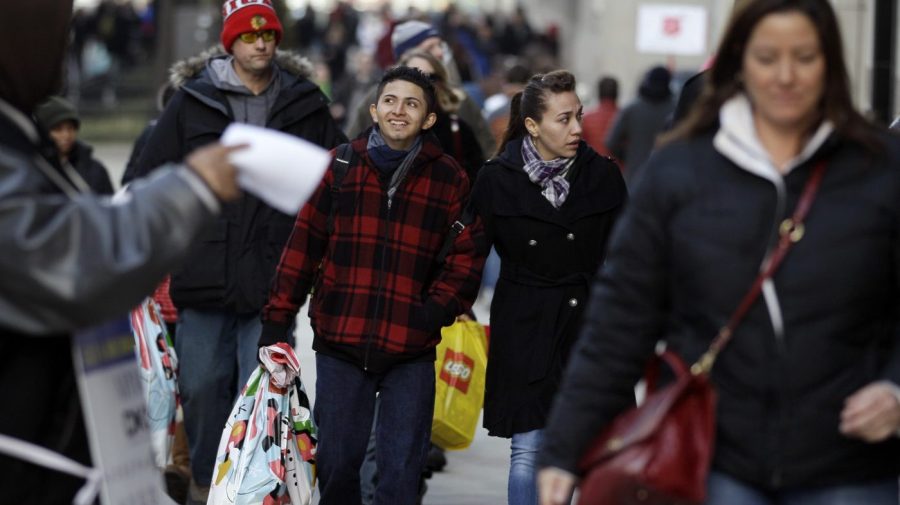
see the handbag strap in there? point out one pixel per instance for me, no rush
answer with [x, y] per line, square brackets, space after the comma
[790, 232]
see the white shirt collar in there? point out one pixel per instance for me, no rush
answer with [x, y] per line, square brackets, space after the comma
[737, 140]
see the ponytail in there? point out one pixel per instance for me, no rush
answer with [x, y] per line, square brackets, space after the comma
[516, 127]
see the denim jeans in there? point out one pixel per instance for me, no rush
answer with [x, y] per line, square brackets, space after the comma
[725, 490]
[216, 355]
[522, 487]
[344, 411]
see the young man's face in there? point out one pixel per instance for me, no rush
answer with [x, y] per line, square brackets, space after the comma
[64, 135]
[254, 57]
[401, 113]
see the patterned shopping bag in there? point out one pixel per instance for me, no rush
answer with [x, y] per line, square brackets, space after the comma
[159, 371]
[266, 454]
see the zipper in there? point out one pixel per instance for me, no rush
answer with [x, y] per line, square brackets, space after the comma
[378, 300]
[770, 296]
[773, 306]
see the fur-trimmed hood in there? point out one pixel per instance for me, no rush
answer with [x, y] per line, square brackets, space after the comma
[188, 68]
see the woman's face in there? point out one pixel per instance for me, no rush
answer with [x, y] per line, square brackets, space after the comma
[558, 133]
[784, 71]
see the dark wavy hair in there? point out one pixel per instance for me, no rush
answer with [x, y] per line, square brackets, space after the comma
[723, 79]
[532, 102]
[414, 76]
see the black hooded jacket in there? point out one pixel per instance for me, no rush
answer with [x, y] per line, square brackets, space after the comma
[232, 266]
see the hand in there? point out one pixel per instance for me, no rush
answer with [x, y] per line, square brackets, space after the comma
[464, 318]
[555, 486]
[211, 163]
[872, 413]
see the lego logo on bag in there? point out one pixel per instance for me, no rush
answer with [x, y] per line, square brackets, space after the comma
[457, 370]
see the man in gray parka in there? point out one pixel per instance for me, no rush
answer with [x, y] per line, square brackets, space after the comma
[70, 259]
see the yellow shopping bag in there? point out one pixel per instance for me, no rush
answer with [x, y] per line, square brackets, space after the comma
[459, 391]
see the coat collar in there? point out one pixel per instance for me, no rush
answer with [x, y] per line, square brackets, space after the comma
[20, 121]
[431, 148]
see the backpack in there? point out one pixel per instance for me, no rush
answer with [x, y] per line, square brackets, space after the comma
[344, 158]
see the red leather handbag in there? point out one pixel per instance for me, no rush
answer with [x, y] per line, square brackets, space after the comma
[659, 452]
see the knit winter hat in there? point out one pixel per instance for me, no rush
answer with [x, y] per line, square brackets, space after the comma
[56, 110]
[242, 16]
[409, 35]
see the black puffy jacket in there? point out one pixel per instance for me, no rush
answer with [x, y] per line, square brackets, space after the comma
[232, 266]
[684, 253]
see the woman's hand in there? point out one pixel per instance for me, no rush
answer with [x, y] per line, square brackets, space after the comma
[555, 486]
[872, 413]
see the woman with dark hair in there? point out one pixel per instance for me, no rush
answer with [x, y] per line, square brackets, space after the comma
[808, 405]
[548, 202]
[456, 136]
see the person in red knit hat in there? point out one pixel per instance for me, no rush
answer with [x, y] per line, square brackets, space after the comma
[247, 19]
[221, 287]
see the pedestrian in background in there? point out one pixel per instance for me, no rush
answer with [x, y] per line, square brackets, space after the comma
[807, 409]
[59, 117]
[71, 259]
[599, 119]
[637, 125]
[548, 203]
[221, 288]
[381, 294]
[455, 135]
[418, 36]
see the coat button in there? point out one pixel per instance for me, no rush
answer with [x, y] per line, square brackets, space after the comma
[570, 236]
[573, 302]
[532, 242]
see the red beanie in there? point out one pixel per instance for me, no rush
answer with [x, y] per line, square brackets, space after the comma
[242, 16]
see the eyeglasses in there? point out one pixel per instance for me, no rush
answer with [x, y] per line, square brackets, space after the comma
[250, 37]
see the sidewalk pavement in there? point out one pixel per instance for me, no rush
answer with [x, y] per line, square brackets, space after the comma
[474, 476]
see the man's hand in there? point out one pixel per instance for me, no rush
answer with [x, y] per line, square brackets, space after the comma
[872, 413]
[555, 486]
[211, 163]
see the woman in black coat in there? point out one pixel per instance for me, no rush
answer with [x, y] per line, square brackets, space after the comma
[548, 202]
[807, 408]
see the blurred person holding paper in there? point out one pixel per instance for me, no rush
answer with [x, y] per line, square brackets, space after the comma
[371, 246]
[71, 259]
[220, 289]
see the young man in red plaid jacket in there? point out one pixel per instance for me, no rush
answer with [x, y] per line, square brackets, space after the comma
[381, 295]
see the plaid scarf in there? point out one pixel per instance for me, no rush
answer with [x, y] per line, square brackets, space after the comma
[550, 175]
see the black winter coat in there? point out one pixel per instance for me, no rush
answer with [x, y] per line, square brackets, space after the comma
[92, 171]
[459, 141]
[233, 265]
[686, 251]
[548, 257]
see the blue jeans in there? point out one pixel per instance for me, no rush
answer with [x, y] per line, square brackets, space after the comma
[522, 487]
[725, 490]
[344, 411]
[216, 355]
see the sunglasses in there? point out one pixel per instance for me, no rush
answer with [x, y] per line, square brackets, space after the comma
[250, 37]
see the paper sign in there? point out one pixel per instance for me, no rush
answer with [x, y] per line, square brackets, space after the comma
[116, 415]
[280, 169]
[671, 29]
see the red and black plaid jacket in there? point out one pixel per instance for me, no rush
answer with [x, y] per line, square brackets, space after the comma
[380, 297]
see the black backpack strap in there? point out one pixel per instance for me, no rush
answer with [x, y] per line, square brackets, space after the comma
[456, 229]
[343, 160]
